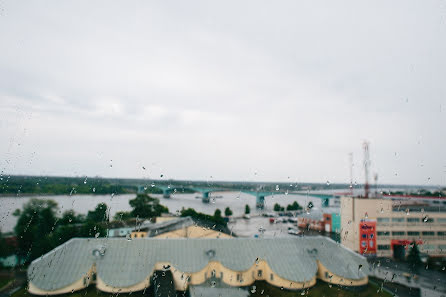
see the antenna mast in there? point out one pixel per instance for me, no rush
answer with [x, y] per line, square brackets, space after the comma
[350, 157]
[376, 184]
[366, 168]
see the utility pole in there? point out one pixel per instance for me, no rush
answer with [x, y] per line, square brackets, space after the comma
[366, 168]
[376, 184]
[350, 157]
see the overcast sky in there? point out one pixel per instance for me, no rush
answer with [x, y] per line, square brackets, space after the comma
[227, 90]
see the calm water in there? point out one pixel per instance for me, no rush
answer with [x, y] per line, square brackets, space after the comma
[83, 203]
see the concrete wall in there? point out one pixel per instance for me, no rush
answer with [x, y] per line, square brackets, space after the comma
[353, 210]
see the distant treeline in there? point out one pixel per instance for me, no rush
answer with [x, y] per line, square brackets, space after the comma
[16, 185]
[50, 185]
[421, 193]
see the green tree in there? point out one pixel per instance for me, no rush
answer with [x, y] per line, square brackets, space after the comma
[293, 206]
[93, 229]
[216, 218]
[247, 209]
[122, 216]
[5, 249]
[70, 217]
[145, 206]
[277, 207]
[217, 214]
[99, 214]
[228, 212]
[413, 258]
[36, 222]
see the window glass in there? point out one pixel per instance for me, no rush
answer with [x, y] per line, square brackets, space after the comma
[397, 220]
[383, 220]
[398, 233]
[179, 148]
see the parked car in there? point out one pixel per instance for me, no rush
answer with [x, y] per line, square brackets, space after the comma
[293, 220]
[294, 231]
[280, 220]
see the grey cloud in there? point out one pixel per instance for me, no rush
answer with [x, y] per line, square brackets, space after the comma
[203, 88]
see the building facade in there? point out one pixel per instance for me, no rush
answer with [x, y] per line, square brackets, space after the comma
[387, 228]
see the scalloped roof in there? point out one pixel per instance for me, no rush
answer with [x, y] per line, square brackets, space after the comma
[123, 263]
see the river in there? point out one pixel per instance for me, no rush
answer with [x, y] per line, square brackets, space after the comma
[83, 203]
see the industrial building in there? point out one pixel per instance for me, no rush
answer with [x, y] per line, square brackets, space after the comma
[387, 228]
[117, 265]
[183, 227]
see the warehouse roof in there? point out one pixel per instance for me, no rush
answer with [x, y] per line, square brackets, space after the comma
[123, 263]
[154, 229]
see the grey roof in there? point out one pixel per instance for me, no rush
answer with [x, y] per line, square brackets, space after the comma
[155, 229]
[123, 263]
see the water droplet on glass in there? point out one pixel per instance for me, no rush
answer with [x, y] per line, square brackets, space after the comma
[85, 180]
[328, 183]
[128, 237]
[425, 218]
[96, 235]
[143, 168]
[253, 289]
[277, 187]
[161, 175]
[407, 212]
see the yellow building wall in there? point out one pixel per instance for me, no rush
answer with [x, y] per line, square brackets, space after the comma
[336, 279]
[246, 277]
[138, 234]
[164, 219]
[194, 232]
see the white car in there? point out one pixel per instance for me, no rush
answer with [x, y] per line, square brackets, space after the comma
[279, 220]
[293, 231]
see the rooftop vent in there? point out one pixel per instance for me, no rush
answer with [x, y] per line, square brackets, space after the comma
[312, 251]
[99, 251]
[210, 253]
